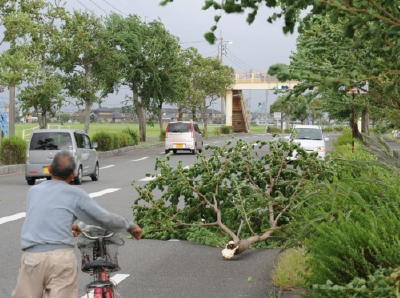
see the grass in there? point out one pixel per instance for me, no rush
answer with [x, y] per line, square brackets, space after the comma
[290, 270]
[152, 131]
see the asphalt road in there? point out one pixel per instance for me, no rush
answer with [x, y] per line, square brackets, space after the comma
[149, 268]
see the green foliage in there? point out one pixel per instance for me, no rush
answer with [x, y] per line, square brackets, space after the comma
[133, 134]
[359, 242]
[383, 283]
[122, 140]
[105, 141]
[291, 269]
[249, 188]
[13, 151]
[226, 129]
[108, 141]
[217, 131]
[273, 129]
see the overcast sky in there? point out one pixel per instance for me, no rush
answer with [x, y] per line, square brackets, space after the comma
[254, 47]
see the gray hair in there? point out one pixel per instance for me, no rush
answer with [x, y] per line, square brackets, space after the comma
[63, 165]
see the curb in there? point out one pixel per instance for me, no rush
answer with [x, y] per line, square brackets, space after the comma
[10, 169]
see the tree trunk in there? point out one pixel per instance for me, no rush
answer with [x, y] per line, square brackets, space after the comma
[86, 116]
[160, 120]
[365, 121]
[140, 113]
[180, 113]
[42, 118]
[204, 118]
[354, 127]
[11, 115]
[194, 118]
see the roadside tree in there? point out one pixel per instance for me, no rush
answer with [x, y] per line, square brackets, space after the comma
[87, 60]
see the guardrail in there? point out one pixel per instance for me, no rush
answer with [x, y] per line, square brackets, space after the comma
[27, 132]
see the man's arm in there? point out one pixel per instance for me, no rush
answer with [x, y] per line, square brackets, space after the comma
[92, 213]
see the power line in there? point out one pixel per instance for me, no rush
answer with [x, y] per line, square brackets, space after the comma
[196, 41]
[82, 4]
[98, 6]
[113, 7]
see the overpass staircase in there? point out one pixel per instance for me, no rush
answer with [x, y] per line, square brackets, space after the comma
[240, 121]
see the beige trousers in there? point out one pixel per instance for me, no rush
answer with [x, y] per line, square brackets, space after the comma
[50, 274]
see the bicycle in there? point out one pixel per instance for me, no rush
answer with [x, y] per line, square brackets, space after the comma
[99, 250]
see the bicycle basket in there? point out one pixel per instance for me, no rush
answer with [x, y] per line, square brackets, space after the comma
[90, 251]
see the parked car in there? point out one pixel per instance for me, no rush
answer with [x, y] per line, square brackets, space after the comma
[45, 143]
[310, 138]
[183, 135]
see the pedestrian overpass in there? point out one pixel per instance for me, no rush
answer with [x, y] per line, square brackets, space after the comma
[235, 105]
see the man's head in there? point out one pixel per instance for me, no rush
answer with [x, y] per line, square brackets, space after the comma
[63, 166]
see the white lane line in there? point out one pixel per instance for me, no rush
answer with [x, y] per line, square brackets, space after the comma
[140, 159]
[13, 217]
[116, 279]
[186, 167]
[20, 215]
[107, 167]
[147, 179]
[103, 192]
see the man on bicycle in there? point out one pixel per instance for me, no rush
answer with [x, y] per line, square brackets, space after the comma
[48, 263]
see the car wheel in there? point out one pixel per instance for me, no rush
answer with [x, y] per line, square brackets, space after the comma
[166, 151]
[78, 178]
[48, 178]
[193, 151]
[30, 181]
[174, 151]
[95, 175]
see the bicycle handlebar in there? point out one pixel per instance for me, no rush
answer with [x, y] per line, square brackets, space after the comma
[84, 233]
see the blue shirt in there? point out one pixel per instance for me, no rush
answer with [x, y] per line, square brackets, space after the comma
[52, 207]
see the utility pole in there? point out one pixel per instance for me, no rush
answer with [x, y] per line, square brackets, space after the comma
[11, 111]
[222, 51]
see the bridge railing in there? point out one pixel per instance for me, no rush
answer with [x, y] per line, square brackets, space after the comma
[256, 77]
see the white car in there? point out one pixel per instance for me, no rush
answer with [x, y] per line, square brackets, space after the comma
[310, 138]
[183, 135]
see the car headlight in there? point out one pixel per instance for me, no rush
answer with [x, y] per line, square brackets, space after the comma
[320, 149]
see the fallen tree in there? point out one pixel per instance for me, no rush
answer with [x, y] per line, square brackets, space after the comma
[237, 197]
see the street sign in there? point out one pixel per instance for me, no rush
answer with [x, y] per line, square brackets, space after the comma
[4, 123]
[277, 115]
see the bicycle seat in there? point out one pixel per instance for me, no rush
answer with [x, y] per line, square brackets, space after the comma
[99, 263]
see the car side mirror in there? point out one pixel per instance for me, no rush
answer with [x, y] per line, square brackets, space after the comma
[95, 145]
[326, 139]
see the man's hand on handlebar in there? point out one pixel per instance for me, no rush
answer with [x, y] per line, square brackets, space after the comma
[76, 230]
[136, 232]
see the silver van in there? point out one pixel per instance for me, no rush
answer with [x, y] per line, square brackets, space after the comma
[45, 143]
[183, 135]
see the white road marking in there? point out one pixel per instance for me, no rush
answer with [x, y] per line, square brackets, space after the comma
[140, 159]
[107, 167]
[186, 167]
[174, 240]
[20, 215]
[147, 179]
[103, 192]
[13, 217]
[116, 279]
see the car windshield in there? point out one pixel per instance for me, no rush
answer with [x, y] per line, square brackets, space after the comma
[305, 133]
[179, 127]
[51, 141]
